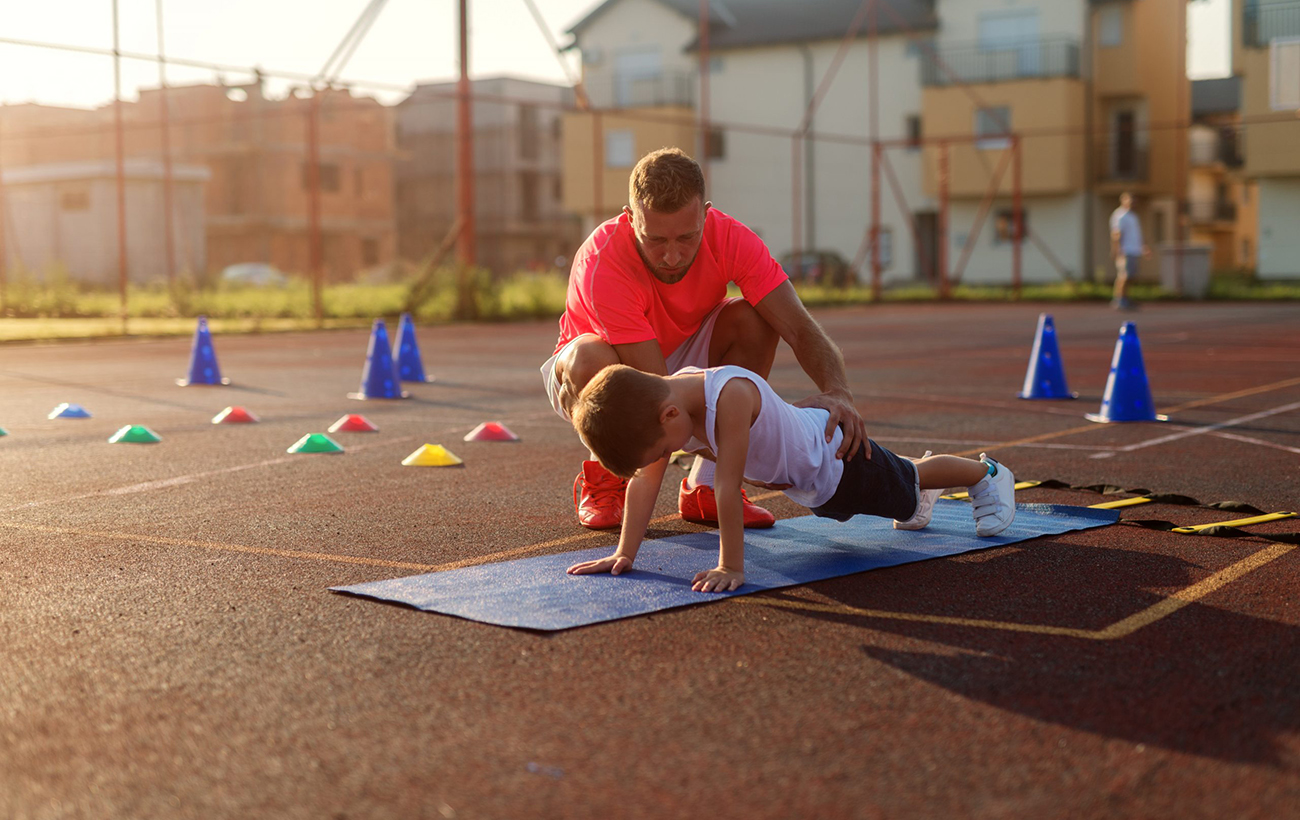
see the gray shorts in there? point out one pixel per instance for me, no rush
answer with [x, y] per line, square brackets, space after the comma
[694, 352]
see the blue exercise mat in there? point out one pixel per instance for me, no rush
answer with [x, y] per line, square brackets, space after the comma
[535, 593]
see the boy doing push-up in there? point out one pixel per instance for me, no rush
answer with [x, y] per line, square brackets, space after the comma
[634, 421]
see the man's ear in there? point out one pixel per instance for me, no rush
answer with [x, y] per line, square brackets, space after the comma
[707, 206]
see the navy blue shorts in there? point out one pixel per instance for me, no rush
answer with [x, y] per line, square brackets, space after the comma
[885, 486]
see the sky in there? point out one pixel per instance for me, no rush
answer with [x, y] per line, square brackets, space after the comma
[412, 41]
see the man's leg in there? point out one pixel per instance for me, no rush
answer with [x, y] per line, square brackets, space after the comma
[597, 493]
[743, 338]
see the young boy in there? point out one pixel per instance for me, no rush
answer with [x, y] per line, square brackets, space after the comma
[634, 421]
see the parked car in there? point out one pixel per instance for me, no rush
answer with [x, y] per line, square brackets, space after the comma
[254, 273]
[817, 268]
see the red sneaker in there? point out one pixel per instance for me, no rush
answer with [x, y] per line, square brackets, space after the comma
[598, 497]
[700, 507]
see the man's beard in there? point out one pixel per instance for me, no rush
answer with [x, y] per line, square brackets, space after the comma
[666, 278]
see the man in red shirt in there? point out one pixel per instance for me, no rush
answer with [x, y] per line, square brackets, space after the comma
[649, 289]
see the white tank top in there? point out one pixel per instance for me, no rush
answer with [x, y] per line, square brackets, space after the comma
[787, 444]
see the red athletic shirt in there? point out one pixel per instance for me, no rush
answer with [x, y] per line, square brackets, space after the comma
[612, 294]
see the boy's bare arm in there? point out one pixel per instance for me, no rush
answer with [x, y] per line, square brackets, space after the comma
[737, 405]
[642, 491]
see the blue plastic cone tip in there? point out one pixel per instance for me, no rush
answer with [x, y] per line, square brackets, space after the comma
[379, 378]
[1045, 378]
[203, 358]
[410, 368]
[1128, 393]
[69, 411]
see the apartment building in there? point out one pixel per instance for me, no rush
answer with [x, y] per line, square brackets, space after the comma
[520, 221]
[1092, 90]
[256, 202]
[1266, 54]
[1222, 203]
[767, 60]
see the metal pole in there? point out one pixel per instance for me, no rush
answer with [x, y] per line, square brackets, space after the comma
[704, 92]
[598, 167]
[796, 213]
[1180, 156]
[1017, 216]
[165, 133]
[943, 219]
[121, 170]
[465, 245]
[4, 248]
[875, 222]
[314, 255]
[873, 111]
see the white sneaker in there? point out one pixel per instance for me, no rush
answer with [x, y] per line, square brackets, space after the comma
[924, 509]
[993, 500]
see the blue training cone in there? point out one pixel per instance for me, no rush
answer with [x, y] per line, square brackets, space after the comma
[379, 378]
[1045, 378]
[410, 368]
[1128, 395]
[203, 359]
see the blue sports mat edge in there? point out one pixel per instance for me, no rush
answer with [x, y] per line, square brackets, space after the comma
[535, 593]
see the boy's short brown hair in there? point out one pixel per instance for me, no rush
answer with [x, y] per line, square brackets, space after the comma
[665, 181]
[617, 416]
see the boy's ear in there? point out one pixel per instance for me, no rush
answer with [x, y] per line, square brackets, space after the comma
[668, 412]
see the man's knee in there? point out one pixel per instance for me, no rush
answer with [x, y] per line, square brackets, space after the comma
[583, 360]
[742, 324]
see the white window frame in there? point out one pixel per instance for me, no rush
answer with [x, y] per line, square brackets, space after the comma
[620, 149]
[1275, 47]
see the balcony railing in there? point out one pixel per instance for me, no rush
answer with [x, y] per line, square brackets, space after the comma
[618, 91]
[1263, 20]
[1206, 211]
[1121, 162]
[1029, 59]
[1216, 148]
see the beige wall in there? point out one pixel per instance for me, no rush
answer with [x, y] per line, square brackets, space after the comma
[1270, 147]
[582, 155]
[1050, 164]
[1146, 70]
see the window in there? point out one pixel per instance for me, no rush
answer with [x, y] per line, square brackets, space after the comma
[329, 176]
[913, 131]
[74, 199]
[715, 65]
[1111, 26]
[528, 195]
[619, 149]
[1284, 71]
[1245, 250]
[369, 252]
[1004, 226]
[886, 239]
[358, 180]
[715, 144]
[992, 125]
[1014, 33]
[528, 132]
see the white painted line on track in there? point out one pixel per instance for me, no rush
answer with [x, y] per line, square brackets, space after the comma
[1198, 431]
[1261, 442]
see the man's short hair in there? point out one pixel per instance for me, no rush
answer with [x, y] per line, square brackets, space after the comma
[665, 181]
[617, 416]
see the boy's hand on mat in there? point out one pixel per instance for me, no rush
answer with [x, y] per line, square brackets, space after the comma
[718, 580]
[614, 565]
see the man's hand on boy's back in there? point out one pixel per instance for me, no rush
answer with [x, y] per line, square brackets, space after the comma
[718, 580]
[613, 564]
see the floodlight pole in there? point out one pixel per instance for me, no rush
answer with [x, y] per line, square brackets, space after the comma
[165, 134]
[465, 243]
[314, 254]
[874, 113]
[943, 219]
[704, 93]
[1017, 215]
[120, 152]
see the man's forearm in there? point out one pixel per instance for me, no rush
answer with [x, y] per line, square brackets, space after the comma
[821, 360]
